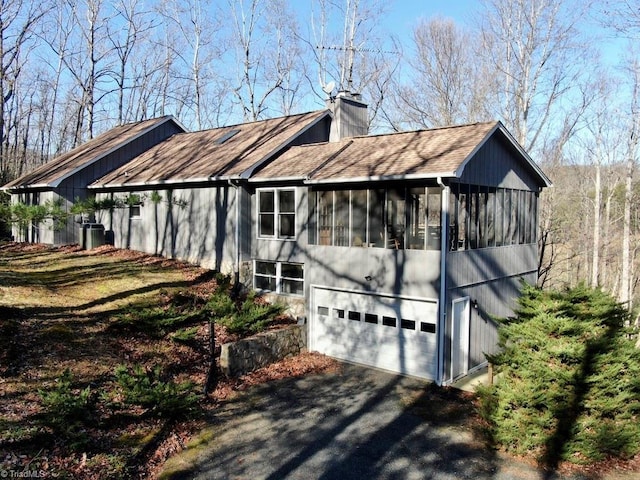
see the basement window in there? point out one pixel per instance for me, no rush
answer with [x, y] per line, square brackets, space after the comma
[279, 277]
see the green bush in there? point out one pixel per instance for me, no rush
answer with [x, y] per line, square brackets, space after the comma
[148, 390]
[5, 216]
[185, 335]
[569, 385]
[157, 321]
[246, 317]
[251, 316]
[64, 404]
[24, 216]
[221, 305]
[67, 409]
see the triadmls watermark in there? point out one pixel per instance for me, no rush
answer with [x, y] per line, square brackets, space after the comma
[23, 474]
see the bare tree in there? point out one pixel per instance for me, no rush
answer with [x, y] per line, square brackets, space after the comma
[351, 52]
[633, 143]
[85, 58]
[286, 60]
[340, 54]
[535, 50]
[264, 41]
[621, 16]
[195, 52]
[18, 19]
[446, 83]
[124, 33]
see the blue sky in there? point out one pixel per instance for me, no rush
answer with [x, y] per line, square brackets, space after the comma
[403, 14]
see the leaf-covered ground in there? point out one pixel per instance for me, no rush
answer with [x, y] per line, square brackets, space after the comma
[61, 309]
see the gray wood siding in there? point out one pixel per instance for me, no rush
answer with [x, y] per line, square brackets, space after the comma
[198, 227]
[42, 233]
[317, 134]
[496, 299]
[495, 165]
[491, 277]
[470, 267]
[75, 186]
[400, 272]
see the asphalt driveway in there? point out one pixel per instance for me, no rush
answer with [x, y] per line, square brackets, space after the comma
[357, 424]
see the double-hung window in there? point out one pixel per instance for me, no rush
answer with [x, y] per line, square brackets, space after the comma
[279, 277]
[276, 213]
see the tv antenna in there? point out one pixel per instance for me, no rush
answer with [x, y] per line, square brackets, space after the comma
[347, 68]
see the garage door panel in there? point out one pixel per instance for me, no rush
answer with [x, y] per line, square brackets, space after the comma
[383, 331]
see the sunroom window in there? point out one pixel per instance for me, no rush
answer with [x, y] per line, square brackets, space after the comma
[394, 218]
[484, 216]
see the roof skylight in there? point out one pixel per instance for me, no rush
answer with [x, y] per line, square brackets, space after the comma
[227, 136]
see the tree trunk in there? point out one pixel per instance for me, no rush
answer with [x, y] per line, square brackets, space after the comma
[625, 275]
[595, 260]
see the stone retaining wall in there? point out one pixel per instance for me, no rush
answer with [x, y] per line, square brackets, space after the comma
[249, 354]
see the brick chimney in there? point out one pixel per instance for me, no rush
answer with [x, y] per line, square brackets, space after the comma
[349, 116]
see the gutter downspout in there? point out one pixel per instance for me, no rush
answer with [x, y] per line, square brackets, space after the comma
[444, 230]
[212, 374]
[236, 266]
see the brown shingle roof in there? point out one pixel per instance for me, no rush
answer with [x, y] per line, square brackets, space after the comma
[426, 153]
[219, 153]
[56, 170]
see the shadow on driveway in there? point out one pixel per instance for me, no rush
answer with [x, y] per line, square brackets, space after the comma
[356, 424]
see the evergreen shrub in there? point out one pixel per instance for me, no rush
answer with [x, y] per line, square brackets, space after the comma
[248, 317]
[242, 316]
[64, 404]
[67, 410]
[146, 388]
[569, 379]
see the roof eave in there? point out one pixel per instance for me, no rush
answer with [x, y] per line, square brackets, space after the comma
[154, 183]
[381, 178]
[25, 187]
[276, 179]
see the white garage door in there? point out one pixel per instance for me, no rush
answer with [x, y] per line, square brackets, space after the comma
[383, 331]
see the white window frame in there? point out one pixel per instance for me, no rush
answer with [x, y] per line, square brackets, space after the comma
[278, 277]
[276, 213]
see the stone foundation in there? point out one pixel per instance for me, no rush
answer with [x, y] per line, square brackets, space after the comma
[249, 354]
